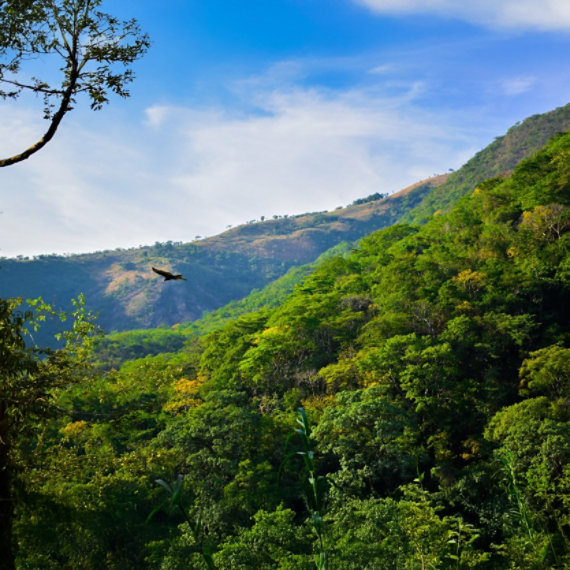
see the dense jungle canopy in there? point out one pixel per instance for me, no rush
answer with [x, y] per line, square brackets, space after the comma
[406, 406]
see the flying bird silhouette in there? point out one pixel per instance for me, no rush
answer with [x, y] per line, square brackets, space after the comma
[167, 275]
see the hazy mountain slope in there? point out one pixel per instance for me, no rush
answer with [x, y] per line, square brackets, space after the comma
[116, 347]
[498, 159]
[122, 288]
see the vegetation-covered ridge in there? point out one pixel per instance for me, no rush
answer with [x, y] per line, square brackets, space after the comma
[432, 369]
[498, 159]
[120, 286]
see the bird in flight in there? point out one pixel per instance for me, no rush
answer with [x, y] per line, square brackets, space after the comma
[167, 275]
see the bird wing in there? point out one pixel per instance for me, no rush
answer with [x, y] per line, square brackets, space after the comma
[163, 272]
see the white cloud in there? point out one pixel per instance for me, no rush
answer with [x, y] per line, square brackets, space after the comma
[382, 69]
[517, 85]
[309, 150]
[525, 14]
[156, 115]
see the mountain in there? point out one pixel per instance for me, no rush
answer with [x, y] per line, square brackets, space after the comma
[115, 348]
[120, 286]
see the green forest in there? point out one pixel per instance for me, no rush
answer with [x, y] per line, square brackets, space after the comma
[406, 406]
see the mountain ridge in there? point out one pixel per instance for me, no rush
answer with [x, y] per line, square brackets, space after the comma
[121, 288]
[497, 159]
[120, 285]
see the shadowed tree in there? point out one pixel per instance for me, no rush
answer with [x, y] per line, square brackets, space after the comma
[29, 380]
[93, 51]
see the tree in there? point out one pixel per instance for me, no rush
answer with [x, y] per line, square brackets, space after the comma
[274, 541]
[16, 363]
[93, 49]
[29, 380]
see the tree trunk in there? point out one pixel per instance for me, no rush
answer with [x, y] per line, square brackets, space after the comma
[55, 121]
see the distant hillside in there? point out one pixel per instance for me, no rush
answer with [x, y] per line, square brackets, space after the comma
[120, 286]
[114, 348]
[498, 159]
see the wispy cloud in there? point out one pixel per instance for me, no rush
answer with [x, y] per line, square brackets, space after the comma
[517, 85]
[156, 115]
[524, 14]
[383, 69]
[309, 149]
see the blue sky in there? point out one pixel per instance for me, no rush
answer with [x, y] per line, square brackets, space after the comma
[250, 108]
